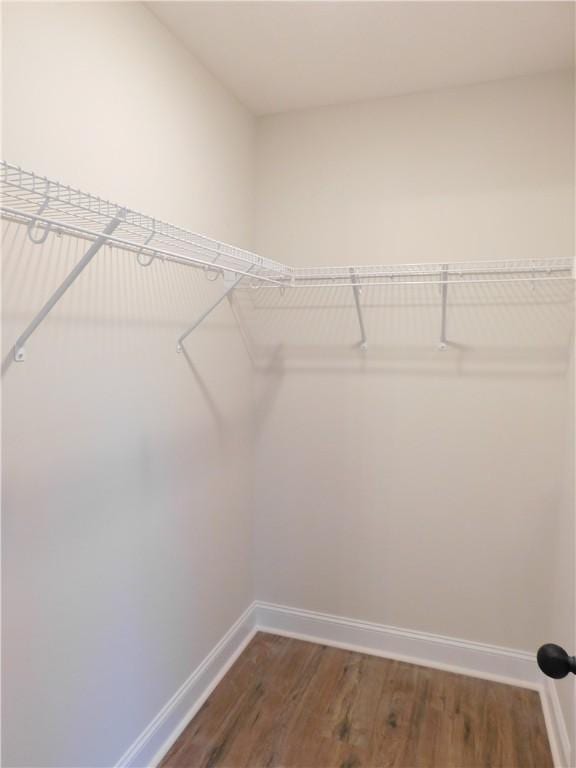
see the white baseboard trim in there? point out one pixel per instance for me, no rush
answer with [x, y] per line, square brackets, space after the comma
[465, 657]
[157, 738]
[489, 662]
[556, 725]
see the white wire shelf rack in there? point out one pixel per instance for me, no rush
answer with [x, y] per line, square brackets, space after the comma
[489, 271]
[46, 206]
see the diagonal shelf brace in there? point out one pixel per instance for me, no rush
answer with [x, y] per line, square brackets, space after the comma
[356, 289]
[444, 290]
[19, 351]
[205, 314]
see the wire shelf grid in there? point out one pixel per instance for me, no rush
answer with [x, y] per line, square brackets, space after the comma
[48, 205]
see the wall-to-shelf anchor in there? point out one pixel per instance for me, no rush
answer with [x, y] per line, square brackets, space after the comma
[356, 289]
[19, 351]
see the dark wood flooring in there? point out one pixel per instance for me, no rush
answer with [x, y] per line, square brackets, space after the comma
[290, 703]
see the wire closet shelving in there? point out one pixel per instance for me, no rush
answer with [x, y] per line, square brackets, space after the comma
[46, 206]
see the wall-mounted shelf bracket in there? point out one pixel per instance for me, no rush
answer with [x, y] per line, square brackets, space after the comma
[19, 351]
[356, 288]
[443, 344]
[205, 314]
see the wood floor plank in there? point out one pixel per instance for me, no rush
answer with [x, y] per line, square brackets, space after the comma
[286, 703]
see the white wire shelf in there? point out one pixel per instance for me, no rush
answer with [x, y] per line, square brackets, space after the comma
[47, 206]
[430, 273]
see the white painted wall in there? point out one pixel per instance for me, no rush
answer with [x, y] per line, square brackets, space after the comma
[127, 524]
[404, 487]
[411, 487]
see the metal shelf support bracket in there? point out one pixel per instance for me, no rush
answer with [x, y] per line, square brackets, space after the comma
[443, 345]
[19, 351]
[205, 314]
[356, 288]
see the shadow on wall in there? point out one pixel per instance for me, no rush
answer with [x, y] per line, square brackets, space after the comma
[116, 313]
[503, 329]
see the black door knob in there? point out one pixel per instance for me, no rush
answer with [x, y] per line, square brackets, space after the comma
[554, 661]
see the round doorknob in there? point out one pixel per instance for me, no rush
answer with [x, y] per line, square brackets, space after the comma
[554, 661]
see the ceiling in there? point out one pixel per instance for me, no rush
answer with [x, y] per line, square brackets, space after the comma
[277, 56]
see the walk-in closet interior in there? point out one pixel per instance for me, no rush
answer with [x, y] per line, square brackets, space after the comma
[287, 385]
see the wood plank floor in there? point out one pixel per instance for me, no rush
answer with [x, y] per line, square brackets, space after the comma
[295, 704]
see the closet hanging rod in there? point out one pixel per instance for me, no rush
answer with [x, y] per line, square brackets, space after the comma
[392, 282]
[456, 270]
[453, 269]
